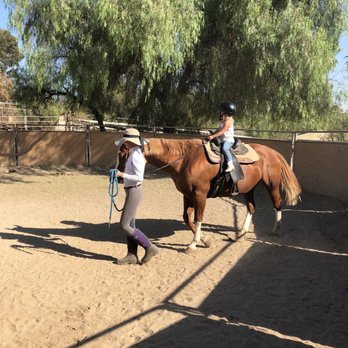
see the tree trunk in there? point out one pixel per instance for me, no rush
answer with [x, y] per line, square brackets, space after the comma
[99, 117]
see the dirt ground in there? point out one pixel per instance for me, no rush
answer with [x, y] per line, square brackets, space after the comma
[60, 288]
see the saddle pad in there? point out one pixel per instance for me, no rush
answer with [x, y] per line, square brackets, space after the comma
[249, 157]
[212, 156]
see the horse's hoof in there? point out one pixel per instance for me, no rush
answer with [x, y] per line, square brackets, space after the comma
[206, 241]
[276, 229]
[190, 250]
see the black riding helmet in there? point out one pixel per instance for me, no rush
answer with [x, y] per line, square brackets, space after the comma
[228, 108]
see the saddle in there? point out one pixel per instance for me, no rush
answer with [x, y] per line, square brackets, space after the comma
[244, 152]
[241, 154]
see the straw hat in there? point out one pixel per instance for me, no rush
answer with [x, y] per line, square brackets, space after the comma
[132, 135]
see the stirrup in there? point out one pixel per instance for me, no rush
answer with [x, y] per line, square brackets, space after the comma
[235, 191]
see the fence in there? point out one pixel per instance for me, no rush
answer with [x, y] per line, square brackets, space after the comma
[321, 167]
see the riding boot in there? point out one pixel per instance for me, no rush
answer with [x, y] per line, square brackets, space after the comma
[150, 252]
[132, 250]
[150, 249]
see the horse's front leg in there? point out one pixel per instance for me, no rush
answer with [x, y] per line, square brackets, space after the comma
[199, 205]
[188, 210]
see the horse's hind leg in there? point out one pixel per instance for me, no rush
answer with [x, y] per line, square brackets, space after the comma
[250, 203]
[274, 192]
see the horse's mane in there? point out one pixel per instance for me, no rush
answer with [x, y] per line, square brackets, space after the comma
[173, 147]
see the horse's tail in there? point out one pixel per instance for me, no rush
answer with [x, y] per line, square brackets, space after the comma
[290, 184]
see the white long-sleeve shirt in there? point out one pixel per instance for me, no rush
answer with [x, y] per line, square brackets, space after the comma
[135, 168]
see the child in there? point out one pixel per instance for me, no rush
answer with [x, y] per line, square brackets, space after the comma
[226, 132]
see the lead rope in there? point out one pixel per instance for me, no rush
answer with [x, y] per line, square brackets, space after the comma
[113, 191]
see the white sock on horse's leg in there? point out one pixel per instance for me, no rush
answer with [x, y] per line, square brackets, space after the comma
[246, 224]
[278, 220]
[197, 235]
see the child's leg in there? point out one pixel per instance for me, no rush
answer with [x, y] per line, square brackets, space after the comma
[226, 146]
[226, 151]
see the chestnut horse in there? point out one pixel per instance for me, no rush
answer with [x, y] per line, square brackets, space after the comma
[192, 173]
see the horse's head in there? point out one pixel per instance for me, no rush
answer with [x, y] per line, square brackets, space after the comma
[123, 154]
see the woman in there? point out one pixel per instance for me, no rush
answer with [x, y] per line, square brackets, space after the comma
[133, 177]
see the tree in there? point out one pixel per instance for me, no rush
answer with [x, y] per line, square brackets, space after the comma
[85, 49]
[5, 88]
[170, 62]
[272, 58]
[9, 53]
[9, 57]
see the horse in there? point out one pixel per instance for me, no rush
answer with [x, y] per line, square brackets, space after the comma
[186, 162]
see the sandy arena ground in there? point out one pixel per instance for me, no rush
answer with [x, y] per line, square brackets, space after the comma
[60, 288]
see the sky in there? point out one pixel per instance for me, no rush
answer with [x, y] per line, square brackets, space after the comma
[339, 76]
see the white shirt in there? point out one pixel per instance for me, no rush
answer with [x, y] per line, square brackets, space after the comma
[229, 134]
[135, 168]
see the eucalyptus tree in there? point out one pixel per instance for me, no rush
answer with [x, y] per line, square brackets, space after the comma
[84, 50]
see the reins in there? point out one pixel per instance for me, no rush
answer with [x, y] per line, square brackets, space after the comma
[178, 159]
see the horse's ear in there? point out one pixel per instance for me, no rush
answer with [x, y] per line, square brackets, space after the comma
[142, 144]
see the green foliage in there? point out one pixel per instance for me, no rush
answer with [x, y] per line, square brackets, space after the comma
[9, 52]
[9, 57]
[172, 62]
[280, 56]
[84, 48]
[5, 88]
[272, 58]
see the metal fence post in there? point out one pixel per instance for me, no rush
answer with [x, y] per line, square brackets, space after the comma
[25, 120]
[88, 146]
[292, 155]
[15, 145]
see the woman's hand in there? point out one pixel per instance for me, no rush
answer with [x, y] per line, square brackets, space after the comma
[120, 174]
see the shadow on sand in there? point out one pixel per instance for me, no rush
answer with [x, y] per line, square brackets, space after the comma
[303, 271]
